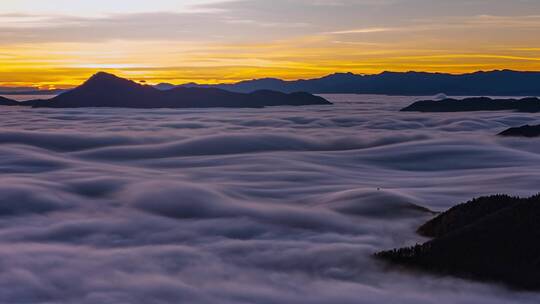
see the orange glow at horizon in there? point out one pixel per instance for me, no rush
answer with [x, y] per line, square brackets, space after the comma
[53, 51]
[66, 65]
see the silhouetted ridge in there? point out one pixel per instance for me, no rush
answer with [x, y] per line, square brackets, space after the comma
[491, 238]
[7, 102]
[164, 86]
[465, 214]
[33, 92]
[493, 83]
[102, 80]
[524, 131]
[107, 90]
[530, 105]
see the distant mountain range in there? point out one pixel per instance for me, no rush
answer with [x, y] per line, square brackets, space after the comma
[107, 90]
[494, 83]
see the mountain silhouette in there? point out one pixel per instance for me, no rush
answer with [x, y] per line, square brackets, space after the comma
[107, 90]
[530, 105]
[493, 83]
[164, 86]
[28, 91]
[491, 238]
[524, 131]
[7, 102]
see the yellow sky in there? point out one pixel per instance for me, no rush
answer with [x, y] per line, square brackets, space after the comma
[236, 40]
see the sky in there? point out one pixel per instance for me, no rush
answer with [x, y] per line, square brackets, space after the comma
[59, 43]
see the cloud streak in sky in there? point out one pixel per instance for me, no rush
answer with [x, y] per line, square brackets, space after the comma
[34, 39]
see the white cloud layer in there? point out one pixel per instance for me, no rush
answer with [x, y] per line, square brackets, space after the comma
[275, 205]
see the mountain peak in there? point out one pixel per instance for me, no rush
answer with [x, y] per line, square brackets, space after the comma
[164, 86]
[100, 76]
[109, 81]
[342, 76]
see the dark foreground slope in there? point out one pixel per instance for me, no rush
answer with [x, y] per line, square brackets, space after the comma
[524, 131]
[529, 105]
[493, 83]
[106, 90]
[493, 238]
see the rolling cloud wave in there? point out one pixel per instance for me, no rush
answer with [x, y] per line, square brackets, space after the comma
[273, 205]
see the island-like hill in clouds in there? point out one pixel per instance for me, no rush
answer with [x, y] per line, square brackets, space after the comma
[523, 131]
[527, 105]
[493, 83]
[107, 90]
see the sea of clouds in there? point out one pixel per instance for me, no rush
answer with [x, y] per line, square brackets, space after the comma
[276, 205]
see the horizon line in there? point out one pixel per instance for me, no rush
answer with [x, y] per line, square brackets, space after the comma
[142, 80]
